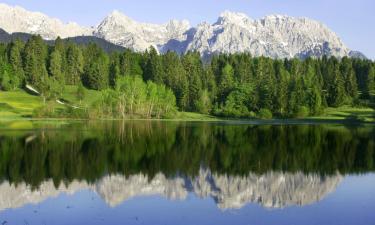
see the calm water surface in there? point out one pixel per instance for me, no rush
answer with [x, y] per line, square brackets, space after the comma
[142, 172]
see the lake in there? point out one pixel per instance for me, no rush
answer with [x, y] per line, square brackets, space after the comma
[167, 173]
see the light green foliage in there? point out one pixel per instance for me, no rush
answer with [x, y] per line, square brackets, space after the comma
[203, 104]
[19, 104]
[265, 114]
[133, 98]
[80, 93]
[226, 84]
[302, 112]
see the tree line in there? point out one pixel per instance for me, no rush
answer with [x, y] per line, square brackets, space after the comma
[235, 85]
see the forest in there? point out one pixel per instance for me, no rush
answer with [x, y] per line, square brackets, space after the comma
[152, 85]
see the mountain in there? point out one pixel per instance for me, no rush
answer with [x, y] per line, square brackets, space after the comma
[275, 36]
[17, 19]
[357, 54]
[271, 190]
[121, 30]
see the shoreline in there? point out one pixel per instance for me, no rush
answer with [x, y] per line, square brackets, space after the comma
[304, 121]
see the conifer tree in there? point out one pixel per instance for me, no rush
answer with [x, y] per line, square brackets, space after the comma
[153, 69]
[347, 71]
[74, 65]
[15, 59]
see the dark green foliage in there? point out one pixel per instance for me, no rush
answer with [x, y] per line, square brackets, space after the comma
[153, 68]
[15, 60]
[194, 70]
[8, 80]
[56, 71]
[74, 64]
[35, 57]
[96, 70]
[176, 78]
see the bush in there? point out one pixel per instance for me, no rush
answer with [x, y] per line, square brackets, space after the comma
[302, 112]
[265, 114]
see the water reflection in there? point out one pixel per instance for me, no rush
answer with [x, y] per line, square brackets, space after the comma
[275, 166]
[271, 190]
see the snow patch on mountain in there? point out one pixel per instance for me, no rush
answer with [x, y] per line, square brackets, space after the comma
[17, 19]
[121, 30]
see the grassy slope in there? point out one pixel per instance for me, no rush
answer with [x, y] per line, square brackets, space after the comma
[347, 113]
[70, 95]
[18, 104]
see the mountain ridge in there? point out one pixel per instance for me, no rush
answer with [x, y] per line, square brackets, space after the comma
[275, 36]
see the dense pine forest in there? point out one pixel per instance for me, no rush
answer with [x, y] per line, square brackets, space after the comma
[152, 85]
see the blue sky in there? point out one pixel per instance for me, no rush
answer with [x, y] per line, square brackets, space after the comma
[352, 20]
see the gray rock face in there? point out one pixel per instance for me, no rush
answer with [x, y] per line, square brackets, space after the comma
[271, 190]
[274, 36]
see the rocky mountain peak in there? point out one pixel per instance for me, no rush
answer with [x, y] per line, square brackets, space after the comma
[228, 17]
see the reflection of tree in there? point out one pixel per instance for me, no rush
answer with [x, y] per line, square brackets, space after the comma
[90, 151]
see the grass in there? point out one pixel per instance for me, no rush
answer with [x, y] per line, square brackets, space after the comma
[189, 116]
[18, 104]
[347, 113]
[70, 95]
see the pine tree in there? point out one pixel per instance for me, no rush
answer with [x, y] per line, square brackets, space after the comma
[74, 64]
[35, 57]
[15, 60]
[347, 71]
[282, 77]
[370, 81]
[267, 86]
[5, 81]
[153, 69]
[336, 90]
[55, 66]
[194, 69]
[176, 79]
[55, 69]
[96, 71]
[227, 83]
[114, 70]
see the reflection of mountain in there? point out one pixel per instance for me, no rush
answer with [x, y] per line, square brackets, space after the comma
[271, 190]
